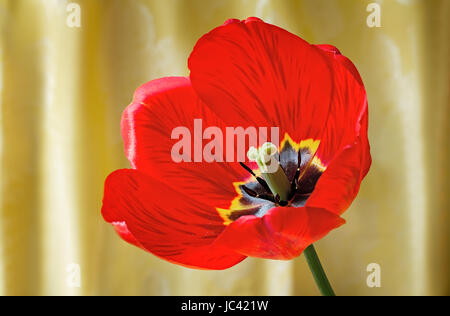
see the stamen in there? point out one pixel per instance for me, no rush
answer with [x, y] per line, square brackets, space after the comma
[299, 165]
[264, 184]
[260, 180]
[250, 191]
[248, 169]
[294, 183]
[257, 195]
[294, 188]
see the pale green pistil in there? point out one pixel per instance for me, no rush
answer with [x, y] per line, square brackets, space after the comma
[271, 170]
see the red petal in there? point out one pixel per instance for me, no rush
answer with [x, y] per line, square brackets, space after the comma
[282, 234]
[335, 53]
[165, 222]
[137, 120]
[340, 183]
[159, 107]
[258, 74]
[344, 147]
[122, 229]
[348, 112]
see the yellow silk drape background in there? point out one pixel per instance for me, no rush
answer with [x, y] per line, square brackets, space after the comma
[62, 91]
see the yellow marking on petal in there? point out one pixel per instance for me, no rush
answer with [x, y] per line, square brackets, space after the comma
[318, 163]
[236, 204]
[311, 144]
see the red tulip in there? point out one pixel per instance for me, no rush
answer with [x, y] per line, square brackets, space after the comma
[212, 215]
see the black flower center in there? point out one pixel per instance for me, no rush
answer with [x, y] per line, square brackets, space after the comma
[302, 169]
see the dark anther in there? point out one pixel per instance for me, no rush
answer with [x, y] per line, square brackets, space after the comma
[258, 196]
[264, 184]
[249, 191]
[268, 197]
[248, 169]
[294, 188]
[261, 181]
[299, 165]
[294, 182]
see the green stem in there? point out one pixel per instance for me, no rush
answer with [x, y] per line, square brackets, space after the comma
[317, 271]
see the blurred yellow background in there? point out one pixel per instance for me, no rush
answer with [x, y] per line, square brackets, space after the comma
[62, 91]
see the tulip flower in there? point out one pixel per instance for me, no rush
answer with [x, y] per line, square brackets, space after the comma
[213, 213]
